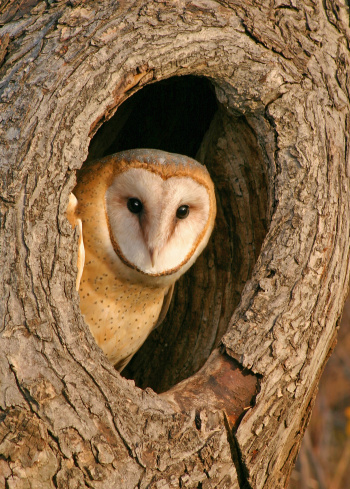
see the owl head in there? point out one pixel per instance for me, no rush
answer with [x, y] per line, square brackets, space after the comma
[159, 209]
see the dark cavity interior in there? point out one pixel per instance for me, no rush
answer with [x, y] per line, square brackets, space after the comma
[182, 115]
[172, 115]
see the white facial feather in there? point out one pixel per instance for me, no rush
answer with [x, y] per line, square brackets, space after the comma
[157, 228]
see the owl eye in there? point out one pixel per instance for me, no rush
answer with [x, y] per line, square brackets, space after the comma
[134, 205]
[182, 212]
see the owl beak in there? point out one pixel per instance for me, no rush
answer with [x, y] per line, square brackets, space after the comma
[153, 252]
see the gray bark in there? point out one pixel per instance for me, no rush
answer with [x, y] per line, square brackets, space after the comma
[266, 296]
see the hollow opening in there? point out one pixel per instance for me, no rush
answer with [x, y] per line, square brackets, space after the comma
[182, 115]
[172, 115]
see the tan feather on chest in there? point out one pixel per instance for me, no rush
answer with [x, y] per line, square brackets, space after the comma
[139, 236]
[120, 314]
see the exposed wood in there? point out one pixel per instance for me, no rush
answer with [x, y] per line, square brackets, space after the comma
[219, 385]
[269, 290]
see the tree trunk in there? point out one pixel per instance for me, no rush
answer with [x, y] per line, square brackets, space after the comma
[258, 313]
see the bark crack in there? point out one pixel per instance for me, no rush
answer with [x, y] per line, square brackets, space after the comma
[241, 469]
[24, 392]
[33, 50]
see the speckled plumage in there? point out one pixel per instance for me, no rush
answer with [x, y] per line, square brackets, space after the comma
[123, 296]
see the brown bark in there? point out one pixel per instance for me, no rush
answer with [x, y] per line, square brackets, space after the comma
[266, 296]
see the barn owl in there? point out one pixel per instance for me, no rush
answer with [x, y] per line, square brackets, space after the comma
[144, 217]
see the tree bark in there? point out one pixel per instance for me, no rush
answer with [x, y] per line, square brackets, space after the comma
[263, 303]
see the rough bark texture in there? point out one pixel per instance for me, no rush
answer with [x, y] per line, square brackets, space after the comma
[266, 296]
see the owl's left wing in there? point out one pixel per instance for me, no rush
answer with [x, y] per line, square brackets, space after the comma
[71, 214]
[166, 303]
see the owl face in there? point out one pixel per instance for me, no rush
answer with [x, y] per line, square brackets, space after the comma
[159, 222]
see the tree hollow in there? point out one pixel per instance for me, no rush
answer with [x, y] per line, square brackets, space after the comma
[183, 115]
